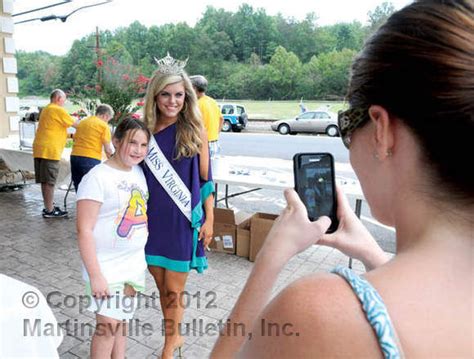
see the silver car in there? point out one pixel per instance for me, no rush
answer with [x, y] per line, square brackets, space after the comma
[309, 122]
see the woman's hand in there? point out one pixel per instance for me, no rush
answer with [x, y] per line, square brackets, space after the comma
[206, 232]
[352, 238]
[293, 232]
[99, 286]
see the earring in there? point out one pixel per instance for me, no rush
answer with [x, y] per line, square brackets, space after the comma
[388, 153]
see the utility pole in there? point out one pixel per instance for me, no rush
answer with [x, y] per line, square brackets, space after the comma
[99, 58]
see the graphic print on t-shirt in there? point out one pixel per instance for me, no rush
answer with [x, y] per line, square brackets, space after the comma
[134, 216]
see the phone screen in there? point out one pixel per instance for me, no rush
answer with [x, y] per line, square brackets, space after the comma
[315, 184]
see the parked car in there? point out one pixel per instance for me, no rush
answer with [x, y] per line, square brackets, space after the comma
[309, 122]
[235, 117]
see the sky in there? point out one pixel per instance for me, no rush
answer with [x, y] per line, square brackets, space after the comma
[57, 37]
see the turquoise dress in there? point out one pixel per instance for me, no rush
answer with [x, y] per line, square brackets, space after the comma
[172, 239]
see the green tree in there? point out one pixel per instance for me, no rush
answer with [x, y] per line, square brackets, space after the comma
[215, 20]
[380, 14]
[348, 35]
[133, 39]
[118, 51]
[325, 40]
[179, 40]
[284, 72]
[245, 31]
[79, 66]
[298, 36]
[244, 54]
[38, 72]
[328, 74]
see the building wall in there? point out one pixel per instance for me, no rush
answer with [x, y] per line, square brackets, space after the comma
[9, 101]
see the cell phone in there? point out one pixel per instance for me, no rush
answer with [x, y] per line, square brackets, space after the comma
[315, 184]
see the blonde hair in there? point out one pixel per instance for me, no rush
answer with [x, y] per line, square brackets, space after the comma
[189, 125]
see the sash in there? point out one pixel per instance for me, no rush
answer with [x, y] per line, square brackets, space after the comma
[168, 178]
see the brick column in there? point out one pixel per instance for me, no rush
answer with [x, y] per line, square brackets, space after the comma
[9, 102]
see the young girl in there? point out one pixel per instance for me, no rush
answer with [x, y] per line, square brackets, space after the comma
[112, 232]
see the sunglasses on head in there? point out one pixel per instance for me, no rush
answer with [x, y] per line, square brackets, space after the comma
[350, 120]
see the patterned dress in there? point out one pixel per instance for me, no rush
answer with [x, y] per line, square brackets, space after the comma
[173, 240]
[375, 311]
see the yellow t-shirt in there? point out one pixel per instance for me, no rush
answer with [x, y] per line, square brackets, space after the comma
[51, 134]
[211, 115]
[91, 134]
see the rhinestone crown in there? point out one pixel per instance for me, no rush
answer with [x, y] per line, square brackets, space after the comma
[170, 66]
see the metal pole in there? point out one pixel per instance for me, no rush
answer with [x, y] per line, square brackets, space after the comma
[99, 57]
[357, 210]
[42, 8]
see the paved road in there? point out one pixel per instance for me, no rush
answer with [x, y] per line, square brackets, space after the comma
[260, 142]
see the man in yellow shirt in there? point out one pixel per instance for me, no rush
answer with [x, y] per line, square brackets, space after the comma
[210, 112]
[48, 145]
[92, 134]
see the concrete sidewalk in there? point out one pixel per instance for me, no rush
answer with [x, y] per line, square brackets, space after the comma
[44, 253]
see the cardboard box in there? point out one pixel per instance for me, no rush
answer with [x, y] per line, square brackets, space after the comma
[243, 238]
[260, 225]
[224, 231]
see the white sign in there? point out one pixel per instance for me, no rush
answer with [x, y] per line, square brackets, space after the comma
[9, 43]
[8, 6]
[6, 24]
[9, 65]
[14, 121]
[227, 242]
[12, 84]
[12, 104]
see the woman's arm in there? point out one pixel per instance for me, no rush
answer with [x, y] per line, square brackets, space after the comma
[87, 213]
[291, 234]
[204, 157]
[206, 231]
[207, 227]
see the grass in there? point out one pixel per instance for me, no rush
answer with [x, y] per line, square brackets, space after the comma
[276, 110]
[259, 110]
[272, 110]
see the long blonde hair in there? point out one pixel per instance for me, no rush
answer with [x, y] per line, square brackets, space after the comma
[189, 125]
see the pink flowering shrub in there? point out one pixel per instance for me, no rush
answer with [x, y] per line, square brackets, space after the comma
[120, 86]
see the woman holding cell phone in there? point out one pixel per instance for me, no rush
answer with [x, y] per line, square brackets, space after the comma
[413, 80]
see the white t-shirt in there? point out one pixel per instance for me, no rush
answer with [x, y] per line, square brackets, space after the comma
[121, 229]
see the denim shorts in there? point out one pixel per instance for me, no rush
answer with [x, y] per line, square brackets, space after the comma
[214, 149]
[79, 168]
